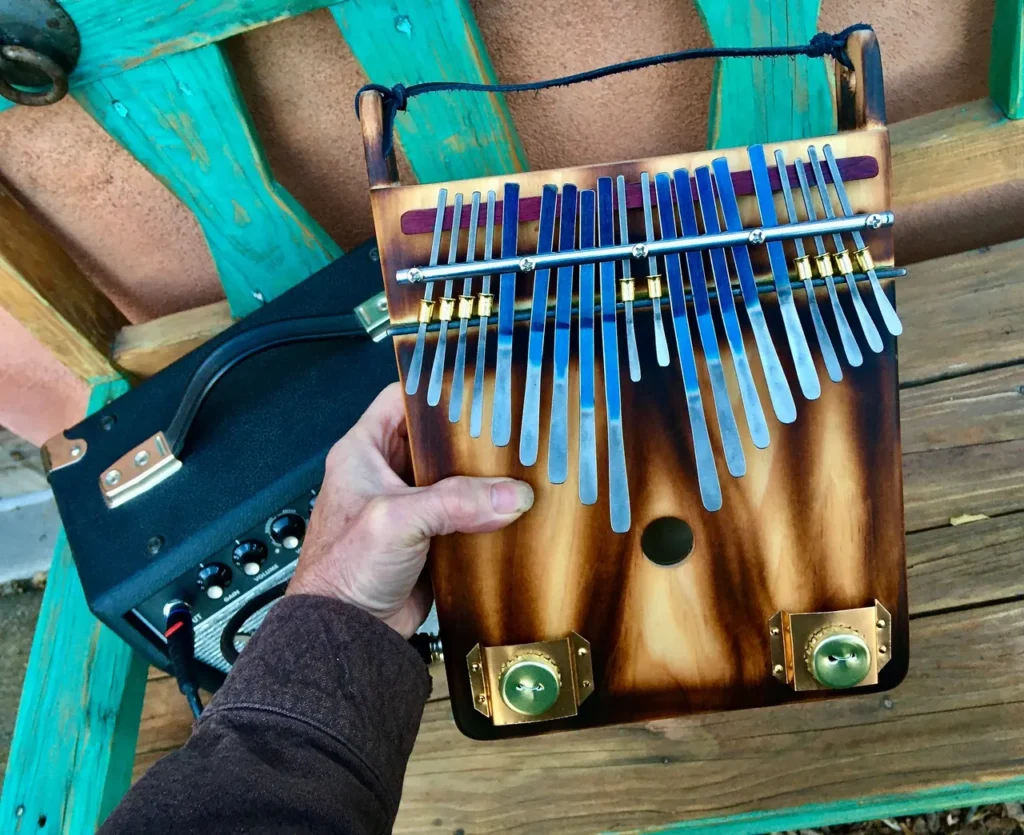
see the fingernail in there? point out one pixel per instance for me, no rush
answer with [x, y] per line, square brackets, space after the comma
[511, 496]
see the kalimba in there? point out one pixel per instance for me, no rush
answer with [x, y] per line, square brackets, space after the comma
[692, 360]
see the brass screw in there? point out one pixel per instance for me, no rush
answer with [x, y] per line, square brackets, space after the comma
[883, 649]
[880, 624]
[481, 698]
[112, 477]
[777, 669]
[141, 458]
[581, 651]
[585, 684]
[775, 630]
[474, 667]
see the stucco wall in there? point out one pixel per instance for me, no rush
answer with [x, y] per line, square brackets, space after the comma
[134, 240]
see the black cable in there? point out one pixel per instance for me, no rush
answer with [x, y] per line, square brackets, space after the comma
[181, 647]
[227, 637]
[246, 344]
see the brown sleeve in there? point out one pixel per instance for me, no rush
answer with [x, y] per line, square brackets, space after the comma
[310, 733]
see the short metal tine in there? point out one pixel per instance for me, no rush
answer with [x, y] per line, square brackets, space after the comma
[778, 386]
[626, 285]
[618, 483]
[707, 473]
[501, 416]
[824, 264]
[588, 422]
[446, 311]
[558, 438]
[529, 436]
[842, 258]
[806, 373]
[803, 264]
[727, 307]
[863, 255]
[465, 312]
[484, 300]
[654, 288]
[412, 377]
[731, 443]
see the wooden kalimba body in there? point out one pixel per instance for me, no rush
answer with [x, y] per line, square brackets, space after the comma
[692, 360]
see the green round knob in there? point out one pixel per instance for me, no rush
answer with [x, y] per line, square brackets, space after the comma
[839, 658]
[530, 684]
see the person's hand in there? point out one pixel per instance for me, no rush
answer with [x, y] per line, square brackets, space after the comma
[369, 532]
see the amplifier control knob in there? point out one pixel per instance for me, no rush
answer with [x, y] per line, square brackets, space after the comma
[249, 556]
[287, 530]
[213, 579]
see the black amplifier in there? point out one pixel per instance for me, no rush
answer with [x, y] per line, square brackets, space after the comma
[197, 485]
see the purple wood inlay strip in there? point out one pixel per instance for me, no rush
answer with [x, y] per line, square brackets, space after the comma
[421, 221]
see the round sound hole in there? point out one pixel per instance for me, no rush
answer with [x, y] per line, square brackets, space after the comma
[667, 541]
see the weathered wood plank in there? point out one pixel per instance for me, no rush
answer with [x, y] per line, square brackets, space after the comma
[185, 120]
[962, 314]
[1006, 65]
[118, 36]
[769, 99]
[446, 136]
[953, 152]
[45, 290]
[145, 349]
[77, 725]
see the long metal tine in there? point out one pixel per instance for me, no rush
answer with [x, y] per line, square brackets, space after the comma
[618, 483]
[447, 308]
[588, 421]
[828, 353]
[889, 316]
[727, 307]
[484, 300]
[707, 473]
[654, 289]
[412, 377]
[626, 285]
[842, 258]
[806, 373]
[731, 443]
[465, 312]
[501, 416]
[778, 386]
[558, 438]
[529, 436]
[824, 261]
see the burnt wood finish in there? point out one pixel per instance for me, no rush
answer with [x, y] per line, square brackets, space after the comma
[815, 524]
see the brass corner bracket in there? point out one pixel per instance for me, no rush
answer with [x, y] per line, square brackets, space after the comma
[139, 470]
[536, 682]
[60, 451]
[830, 650]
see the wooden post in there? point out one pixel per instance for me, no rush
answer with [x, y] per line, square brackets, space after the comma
[1006, 66]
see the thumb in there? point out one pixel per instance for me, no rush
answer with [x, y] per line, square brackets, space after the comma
[460, 504]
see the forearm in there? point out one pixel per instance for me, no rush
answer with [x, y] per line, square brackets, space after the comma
[312, 729]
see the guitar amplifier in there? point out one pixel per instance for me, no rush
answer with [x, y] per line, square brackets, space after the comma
[224, 526]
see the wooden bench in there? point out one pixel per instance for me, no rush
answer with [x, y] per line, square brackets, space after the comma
[951, 735]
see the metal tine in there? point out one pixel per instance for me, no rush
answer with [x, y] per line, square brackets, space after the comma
[529, 436]
[824, 261]
[412, 377]
[465, 313]
[707, 473]
[863, 255]
[727, 307]
[842, 258]
[828, 353]
[618, 483]
[588, 423]
[778, 385]
[654, 289]
[731, 443]
[484, 301]
[447, 308]
[558, 438]
[501, 416]
[626, 285]
[806, 373]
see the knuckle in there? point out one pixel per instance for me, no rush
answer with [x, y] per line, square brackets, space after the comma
[378, 516]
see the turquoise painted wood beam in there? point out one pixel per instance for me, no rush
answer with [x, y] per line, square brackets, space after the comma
[1006, 66]
[118, 35]
[74, 738]
[766, 99]
[446, 135]
[185, 120]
